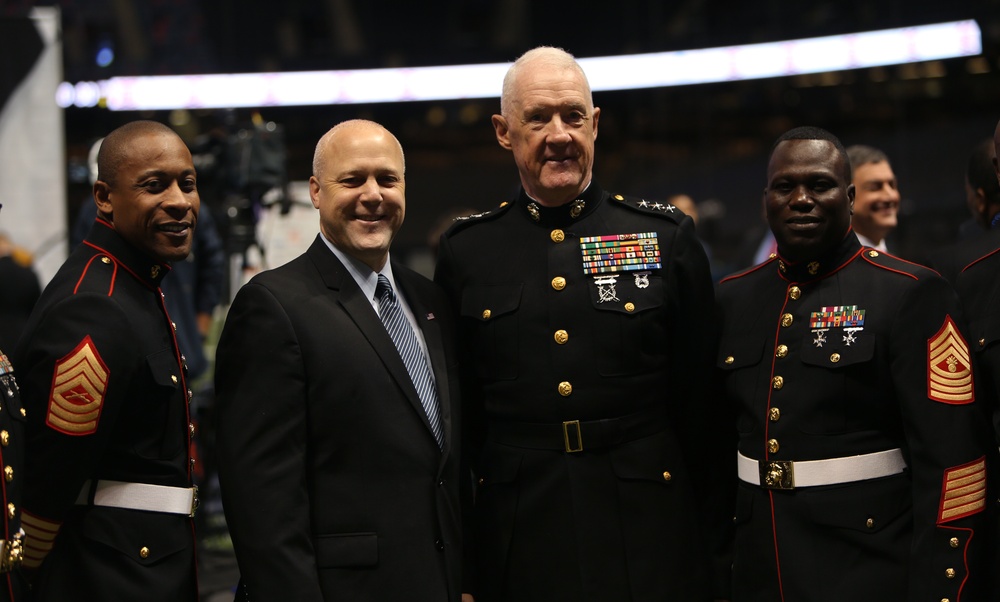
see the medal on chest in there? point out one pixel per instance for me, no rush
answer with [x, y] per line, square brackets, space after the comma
[607, 256]
[847, 318]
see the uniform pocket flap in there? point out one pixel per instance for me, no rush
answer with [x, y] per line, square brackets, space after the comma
[145, 537]
[484, 302]
[837, 353]
[163, 367]
[867, 506]
[739, 352]
[345, 550]
[985, 332]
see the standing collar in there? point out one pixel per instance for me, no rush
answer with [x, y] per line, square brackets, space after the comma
[583, 205]
[822, 266]
[104, 238]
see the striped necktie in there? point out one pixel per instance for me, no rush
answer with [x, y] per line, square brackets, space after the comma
[405, 339]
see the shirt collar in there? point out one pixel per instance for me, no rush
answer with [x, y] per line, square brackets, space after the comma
[364, 276]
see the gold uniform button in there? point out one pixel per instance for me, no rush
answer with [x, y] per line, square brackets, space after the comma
[173, 378]
[561, 336]
[24, 412]
[730, 359]
[630, 306]
[174, 326]
[565, 389]
[11, 510]
[870, 523]
[774, 414]
[486, 314]
[481, 480]
[154, 271]
[559, 283]
[143, 552]
[778, 382]
[619, 197]
[4, 438]
[953, 542]
[557, 235]
[667, 476]
[794, 292]
[781, 351]
[8, 473]
[773, 446]
[949, 573]
[105, 260]
[835, 357]
[873, 253]
[982, 342]
[786, 320]
[191, 428]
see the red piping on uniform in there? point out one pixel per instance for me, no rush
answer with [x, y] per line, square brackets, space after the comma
[87, 267]
[125, 267]
[965, 558]
[774, 535]
[888, 269]
[991, 253]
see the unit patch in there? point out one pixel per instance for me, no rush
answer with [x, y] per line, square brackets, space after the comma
[613, 253]
[79, 382]
[949, 366]
[963, 492]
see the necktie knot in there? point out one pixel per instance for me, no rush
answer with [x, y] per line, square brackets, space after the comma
[383, 288]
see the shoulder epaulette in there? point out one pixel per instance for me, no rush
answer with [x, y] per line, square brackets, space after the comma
[465, 221]
[98, 275]
[895, 264]
[657, 208]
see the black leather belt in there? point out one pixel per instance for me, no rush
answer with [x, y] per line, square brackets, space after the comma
[573, 436]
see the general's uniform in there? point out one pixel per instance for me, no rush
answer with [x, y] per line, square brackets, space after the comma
[861, 456]
[587, 339]
[12, 416]
[108, 497]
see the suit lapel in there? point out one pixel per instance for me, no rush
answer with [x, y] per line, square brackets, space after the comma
[349, 295]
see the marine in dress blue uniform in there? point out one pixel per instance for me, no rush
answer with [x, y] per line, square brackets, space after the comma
[108, 497]
[861, 457]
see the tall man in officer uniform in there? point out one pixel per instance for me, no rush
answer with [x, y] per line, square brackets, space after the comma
[861, 453]
[12, 585]
[108, 497]
[584, 318]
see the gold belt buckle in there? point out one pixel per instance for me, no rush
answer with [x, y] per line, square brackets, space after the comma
[776, 474]
[195, 502]
[572, 425]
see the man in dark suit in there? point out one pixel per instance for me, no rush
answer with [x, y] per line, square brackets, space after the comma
[337, 444]
[862, 452]
[586, 318]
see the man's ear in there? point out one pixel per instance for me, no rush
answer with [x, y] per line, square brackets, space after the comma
[502, 131]
[597, 117]
[850, 198]
[102, 198]
[314, 188]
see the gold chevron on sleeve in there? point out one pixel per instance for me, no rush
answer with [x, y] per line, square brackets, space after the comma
[79, 382]
[949, 366]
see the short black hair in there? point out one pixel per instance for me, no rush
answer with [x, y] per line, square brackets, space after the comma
[114, 147]
[862, 154]
[810, 132]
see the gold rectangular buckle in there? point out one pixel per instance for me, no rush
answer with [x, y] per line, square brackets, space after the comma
[571, 425]
[776, 474]
[195, 502]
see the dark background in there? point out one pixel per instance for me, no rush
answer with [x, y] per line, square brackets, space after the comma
[709, 141]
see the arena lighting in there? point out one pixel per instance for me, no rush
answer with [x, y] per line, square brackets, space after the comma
[655, 70]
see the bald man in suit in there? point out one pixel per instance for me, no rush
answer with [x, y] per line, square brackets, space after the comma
[337, 444]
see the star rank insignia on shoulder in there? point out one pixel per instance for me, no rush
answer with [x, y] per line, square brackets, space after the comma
[662, 209]
[464, 221]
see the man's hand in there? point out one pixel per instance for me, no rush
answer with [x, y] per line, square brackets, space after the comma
[468, 598]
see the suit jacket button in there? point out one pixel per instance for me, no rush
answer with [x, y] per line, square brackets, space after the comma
[439, 545]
